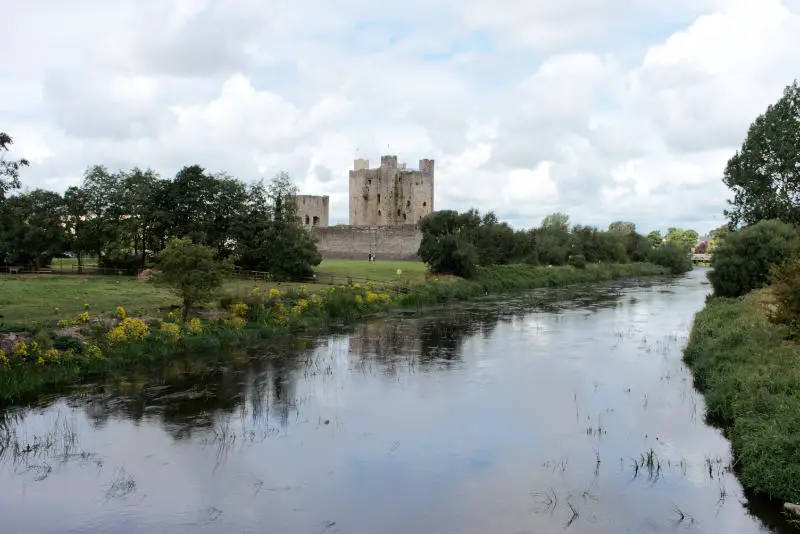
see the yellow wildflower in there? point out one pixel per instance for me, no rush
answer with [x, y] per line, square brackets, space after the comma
[300, 306]
[236, 322]
[120, 313]
[274, 293]
[171, 331]
[116, 335]
[135, 329]
[94, 352]
[359, 299]
[52, 355]
[195, 326]
[372, 297]
[239, 309]
[3, 359]
[20, 350]
[82, 318]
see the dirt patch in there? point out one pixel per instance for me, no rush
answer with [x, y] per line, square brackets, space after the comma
[8, 340]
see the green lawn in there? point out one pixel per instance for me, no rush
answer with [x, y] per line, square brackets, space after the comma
[25, 299]
[378, 271]
[28, 298]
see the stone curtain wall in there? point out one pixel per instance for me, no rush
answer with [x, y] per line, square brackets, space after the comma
[356, 242]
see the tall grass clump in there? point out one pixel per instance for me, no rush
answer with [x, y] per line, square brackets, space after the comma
[750, 377]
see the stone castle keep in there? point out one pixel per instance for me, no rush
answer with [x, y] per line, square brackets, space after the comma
[386, 204]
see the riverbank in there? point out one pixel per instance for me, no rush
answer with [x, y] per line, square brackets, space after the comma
[67, 349]
[750, 376]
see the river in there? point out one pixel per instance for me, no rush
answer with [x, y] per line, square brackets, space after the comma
[553, 411]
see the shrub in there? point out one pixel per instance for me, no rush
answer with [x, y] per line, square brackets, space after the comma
[578, 261]
[671, 256]
[744, 260]
[786, 293]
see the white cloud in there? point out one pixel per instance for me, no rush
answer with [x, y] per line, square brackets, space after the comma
[604, 110]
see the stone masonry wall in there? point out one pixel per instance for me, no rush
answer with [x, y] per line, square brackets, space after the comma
[356, 242]
[313, 210]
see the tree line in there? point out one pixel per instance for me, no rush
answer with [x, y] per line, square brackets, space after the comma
[126, 217]
[456, 243]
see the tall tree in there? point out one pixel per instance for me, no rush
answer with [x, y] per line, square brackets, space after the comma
[32, 228]
[623, 227]
[655, 238]
[269, 234]
[76, 226]
[555, 221]
[764, 174]
[685, 240]
[9, 169]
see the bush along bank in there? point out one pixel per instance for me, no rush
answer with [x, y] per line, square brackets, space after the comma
[750, 377]
[87, 344]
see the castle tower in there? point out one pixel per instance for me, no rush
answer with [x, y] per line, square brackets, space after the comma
[391, 194]
[313, 210]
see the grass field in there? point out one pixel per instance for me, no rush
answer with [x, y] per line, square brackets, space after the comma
[45, 299]
[383, 271]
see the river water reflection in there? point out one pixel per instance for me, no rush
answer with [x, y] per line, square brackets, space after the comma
[544, 413]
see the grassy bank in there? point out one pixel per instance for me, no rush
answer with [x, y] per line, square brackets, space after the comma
[501, 279]
[68, 346]
[44, 299]
[750, 376]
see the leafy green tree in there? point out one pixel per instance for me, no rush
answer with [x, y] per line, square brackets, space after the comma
[671, 255]
[269, 235]
[75, 223]
[685, 240]
[622, 227]
[555, 221]
[655, 238]
[191, 271]
[743, 261]
[9, 169]
[32, 228]
[717, 235]
[496, 241]
[764, 174]
[446, 245]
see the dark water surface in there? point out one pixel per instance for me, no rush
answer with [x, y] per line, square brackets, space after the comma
[537, 414]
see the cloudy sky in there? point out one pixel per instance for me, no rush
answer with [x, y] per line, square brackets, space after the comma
[603, 109]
